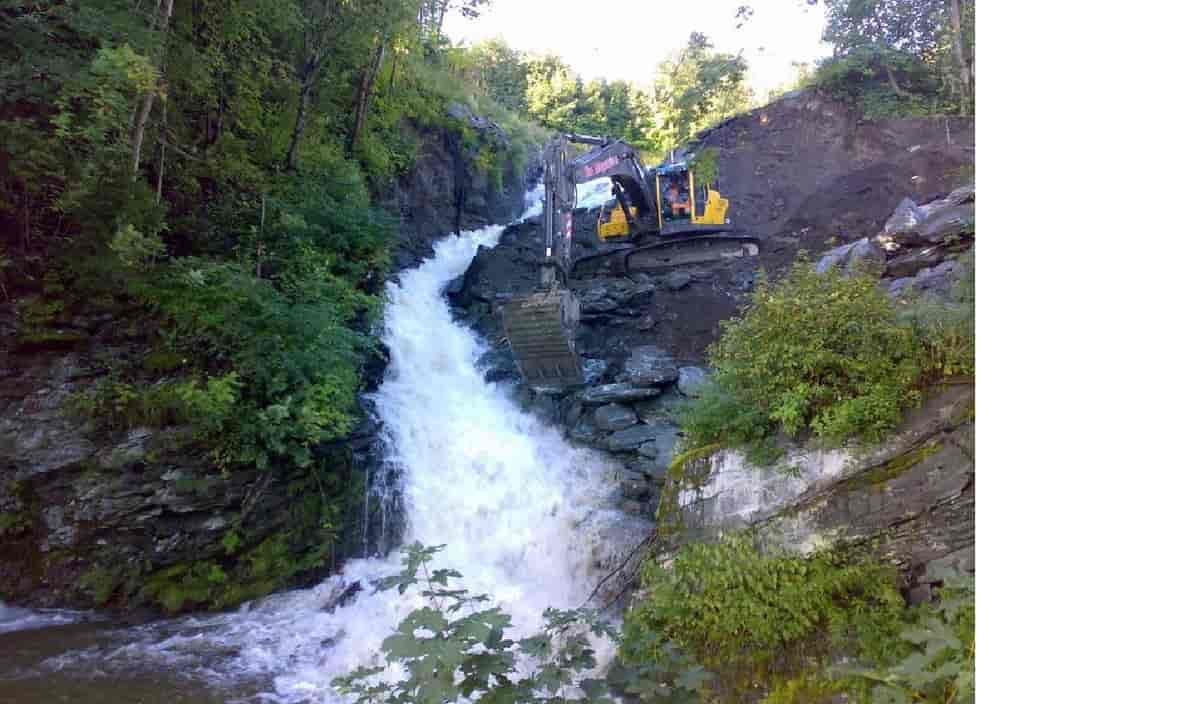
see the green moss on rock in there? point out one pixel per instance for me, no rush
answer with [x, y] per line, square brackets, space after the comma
[877, 476]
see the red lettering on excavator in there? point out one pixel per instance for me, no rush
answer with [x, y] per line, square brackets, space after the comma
[592, 169]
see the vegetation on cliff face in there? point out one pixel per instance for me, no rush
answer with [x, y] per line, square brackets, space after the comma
[200, 172]
[900, 57]
[831, 353]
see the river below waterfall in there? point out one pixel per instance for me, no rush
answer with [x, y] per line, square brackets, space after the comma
[525, 517]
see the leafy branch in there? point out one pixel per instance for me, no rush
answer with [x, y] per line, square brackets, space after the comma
[455, 648]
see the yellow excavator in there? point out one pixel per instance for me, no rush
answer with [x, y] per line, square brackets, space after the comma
[660, 218]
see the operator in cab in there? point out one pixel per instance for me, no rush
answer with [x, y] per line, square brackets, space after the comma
[677, 200]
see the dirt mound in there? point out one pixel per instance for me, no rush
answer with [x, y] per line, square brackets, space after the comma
[808, 172]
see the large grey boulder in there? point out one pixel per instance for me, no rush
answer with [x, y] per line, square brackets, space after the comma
[596, 302]
[909, 263]
[620, 392]
[633, 485]
[661, 409]
[585, 432]
[933, 223]
[900, 287]
[947, 224]
[658, 452]
[618, 292]
[903, 220]
[614, 416]
[863, 252]
[650, 366]
[940, 278]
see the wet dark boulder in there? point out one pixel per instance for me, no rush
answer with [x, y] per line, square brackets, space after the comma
[649, 365]
[614, 416]
[619, 392]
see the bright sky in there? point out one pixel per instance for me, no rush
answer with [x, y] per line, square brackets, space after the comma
[625, 39]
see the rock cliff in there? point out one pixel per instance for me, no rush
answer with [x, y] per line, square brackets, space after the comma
[90, 516]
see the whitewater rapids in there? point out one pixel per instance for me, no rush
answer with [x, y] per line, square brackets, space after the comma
[525, 517]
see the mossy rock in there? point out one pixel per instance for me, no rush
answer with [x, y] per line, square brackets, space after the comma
[877, 476]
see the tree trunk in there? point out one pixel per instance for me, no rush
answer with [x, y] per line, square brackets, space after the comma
[162, 153]
[219, 127]
[441, 17]
[163, 13]
[366, 86]
[965, 71]
[893, 83]
[139, 131]
[301, 115]
[395, 61]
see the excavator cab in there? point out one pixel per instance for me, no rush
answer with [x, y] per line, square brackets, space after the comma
[684, 205]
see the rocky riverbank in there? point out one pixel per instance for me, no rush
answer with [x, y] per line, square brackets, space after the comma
[643, 337]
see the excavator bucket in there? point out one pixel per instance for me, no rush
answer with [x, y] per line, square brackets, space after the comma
[541, 332]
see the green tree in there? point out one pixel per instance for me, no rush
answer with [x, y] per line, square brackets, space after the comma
[696, 87]
[500, 71]
[553, 92]
[919, 49]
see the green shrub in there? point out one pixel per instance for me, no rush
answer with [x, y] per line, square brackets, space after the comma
[751, 617]
[717, 416]
[937, 660]
[185, 584]
[205, 405]
[946, 329]
[813, 350]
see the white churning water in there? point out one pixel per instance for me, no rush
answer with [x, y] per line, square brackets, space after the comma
[524, 516]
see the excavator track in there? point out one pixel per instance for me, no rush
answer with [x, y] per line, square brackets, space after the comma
[540, 329]
[689, 250]
[610, 263]
[667, 254]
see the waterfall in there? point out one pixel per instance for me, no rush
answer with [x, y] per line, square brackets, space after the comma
[526, 517]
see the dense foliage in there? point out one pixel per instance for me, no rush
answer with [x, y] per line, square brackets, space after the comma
[199, 175]
[831, 353]
[820, 350]
[753, 618]
[938, 652]
[690, 89]
[901, 57]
